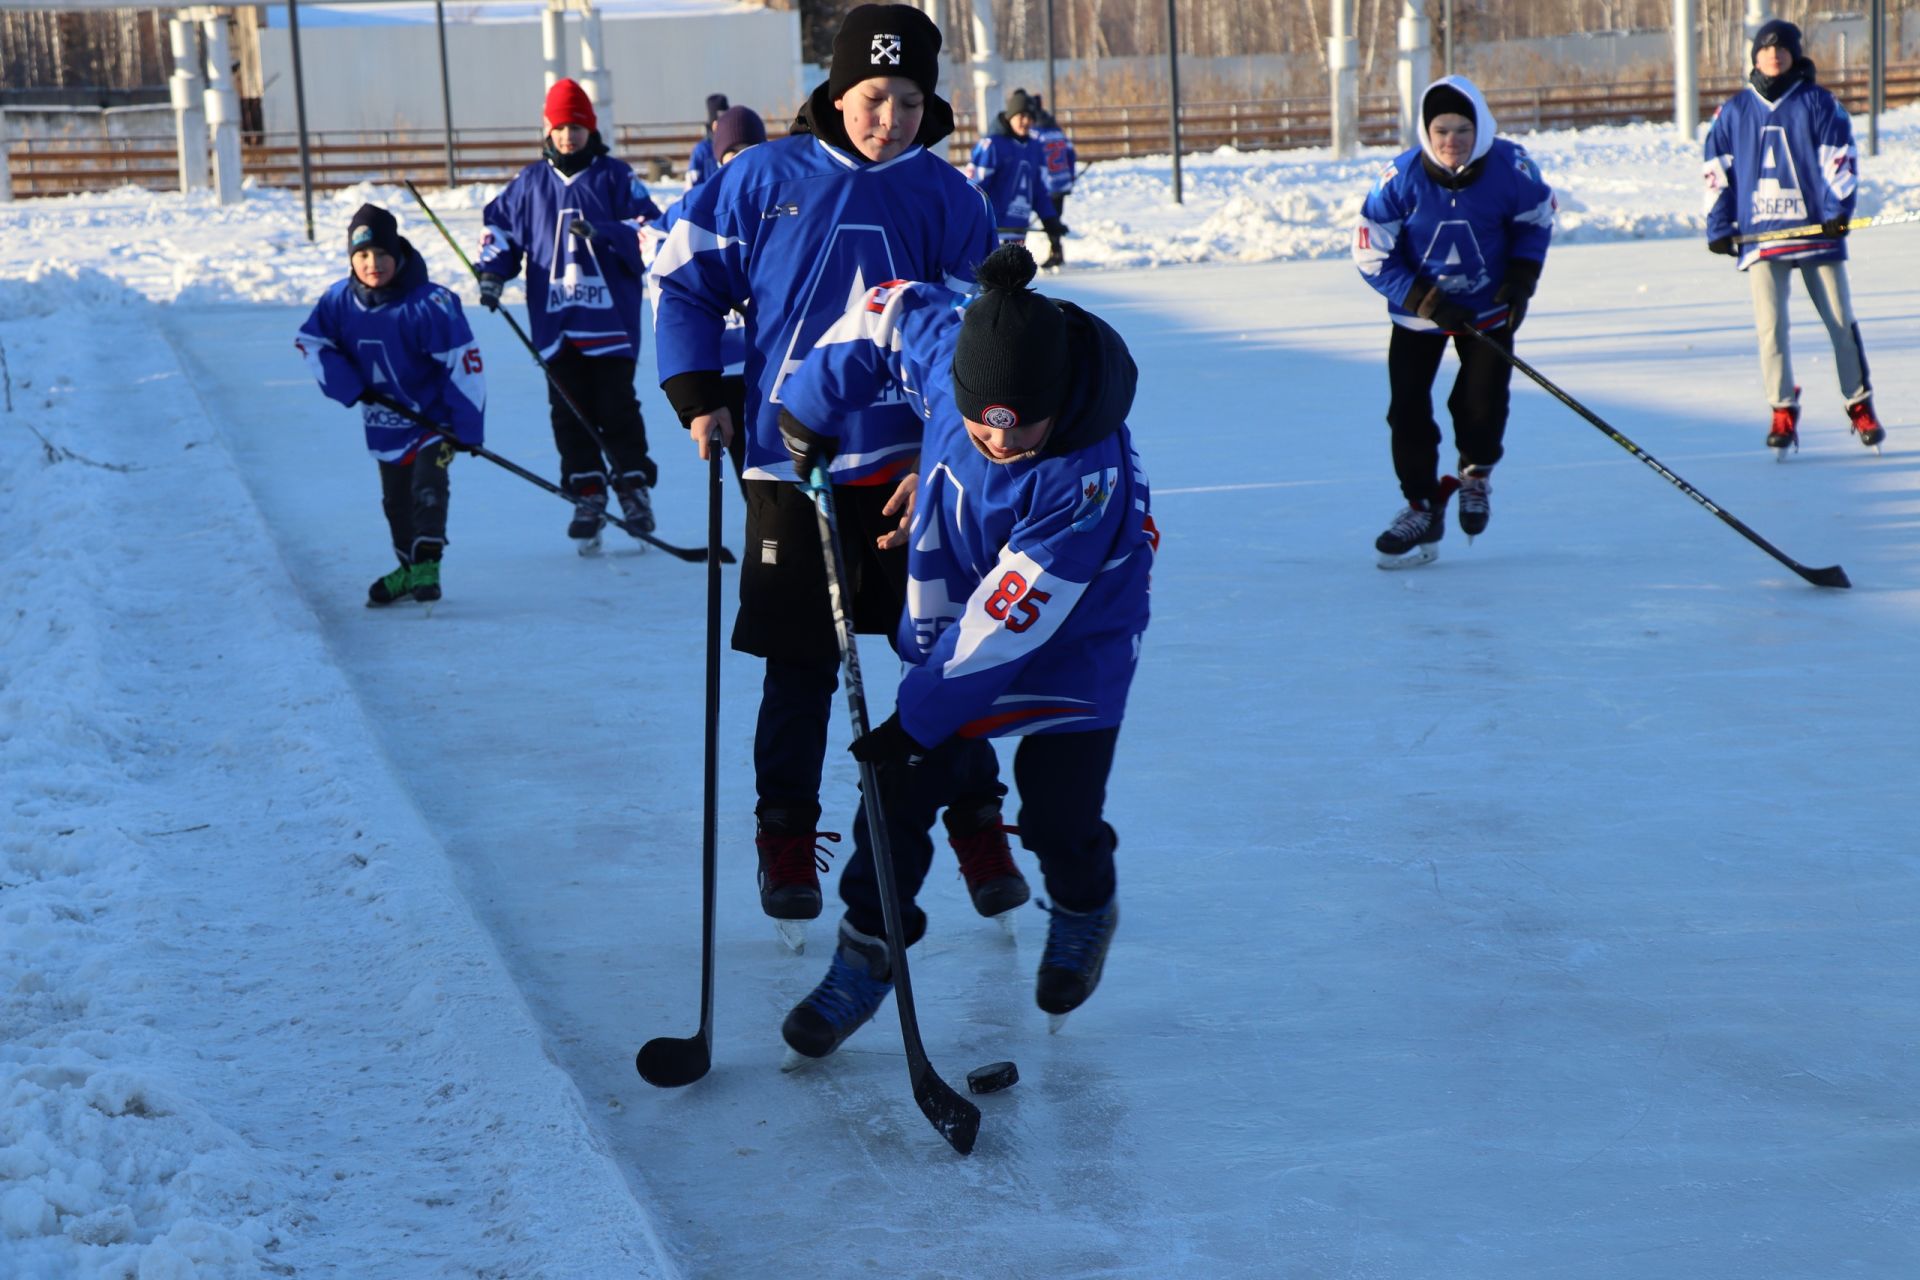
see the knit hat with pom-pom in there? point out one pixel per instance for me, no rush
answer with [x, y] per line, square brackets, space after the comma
[1010, 364]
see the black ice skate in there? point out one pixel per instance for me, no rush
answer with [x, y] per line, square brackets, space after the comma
[1784, 434]
[636, 504]
[1077, 943]
[986, 860]
[857, 982]
[1866, 427]
[1412, 537]
[392, 588]
[1476, 484]
[790, 864]
[589, 514]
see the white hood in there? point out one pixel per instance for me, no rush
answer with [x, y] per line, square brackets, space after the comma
[1482, 118]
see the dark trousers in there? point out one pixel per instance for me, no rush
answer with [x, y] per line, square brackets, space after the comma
[785, 617]
[1478, 405]
[603, 388]
[1060, 212]
[414, 496]
[1062, 779]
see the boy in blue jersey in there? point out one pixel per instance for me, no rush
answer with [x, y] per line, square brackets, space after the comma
[786, 234]
[1031, 543]
[387, 331]
[1011, 167]
[1058, 149]
[705, 160]
[573, 218]
[1780, 156]
[1454, 234]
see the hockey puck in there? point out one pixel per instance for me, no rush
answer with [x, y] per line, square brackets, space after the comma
[993, 1077]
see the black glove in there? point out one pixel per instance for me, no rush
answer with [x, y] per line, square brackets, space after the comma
[490, 291]
[1722, 244]
[1430, 302]
[1523, 277]
[1053, 227]
[807, 447]
[585, 230]
[1835, 227]
[887, 745]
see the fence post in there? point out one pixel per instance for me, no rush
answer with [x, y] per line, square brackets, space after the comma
[6, 174]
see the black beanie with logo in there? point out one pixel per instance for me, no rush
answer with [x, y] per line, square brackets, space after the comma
[374, 228]
[1777, 32]
[1010, 363]
[885, 40]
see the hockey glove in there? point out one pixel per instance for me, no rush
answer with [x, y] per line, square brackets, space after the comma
[1834, 227]
[807, 447]
[888, 745]
[1428, 301]
[1722, 244]
[490, 286]
[1523, 276]
[585, 230]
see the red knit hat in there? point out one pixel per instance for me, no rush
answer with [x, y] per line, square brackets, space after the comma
[567, 103]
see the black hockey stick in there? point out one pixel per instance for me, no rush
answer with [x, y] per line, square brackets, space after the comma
[1831, 576]
[668, 1062]
[956, 1119]
[684, 553]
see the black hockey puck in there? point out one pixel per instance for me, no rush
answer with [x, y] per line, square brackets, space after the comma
[993, 1077]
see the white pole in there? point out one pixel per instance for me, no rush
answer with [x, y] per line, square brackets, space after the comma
[1414, 69]
[189, 110]
[1344, 74]
[6, 175]
[223, 109]
[1686, 68]
[986, 65]
[1756, 18]
[594, 76]
[553, 43]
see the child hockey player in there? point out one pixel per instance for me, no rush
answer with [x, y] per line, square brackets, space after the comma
[387, 331]
[705, 160]
[1031, 543]
[1454, 234]
[798, 226]
[573, 217]
[1011, 167]
[1780, 155]
[1058, 149]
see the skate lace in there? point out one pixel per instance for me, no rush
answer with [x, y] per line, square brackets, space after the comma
[985, 855]
[847, 993]
[1411, 522]
[1862, 416]
[788, 856]
[1783, 422]
[1473, 495]
[1074, 937]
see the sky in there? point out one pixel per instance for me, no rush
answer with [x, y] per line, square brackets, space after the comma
[1548, 911]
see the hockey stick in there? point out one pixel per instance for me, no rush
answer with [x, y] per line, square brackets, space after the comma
[668, 1062]
[1815, 228]
[684, 553]
[956, 1119]
[1831, 576]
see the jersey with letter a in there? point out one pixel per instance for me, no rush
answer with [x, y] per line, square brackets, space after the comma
[1775, 165]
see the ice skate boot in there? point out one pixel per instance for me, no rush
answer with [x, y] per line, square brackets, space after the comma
[790, 863]
[1784, 434]
[1476, 485]
[986, 860]
[391, 589]
[589, 514]
[858, 979]
[1413, 536]
[636, 503]
[1077, 943]
[1865, 425]
[426, 581]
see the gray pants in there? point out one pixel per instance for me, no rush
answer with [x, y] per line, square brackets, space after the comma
[1827, 285]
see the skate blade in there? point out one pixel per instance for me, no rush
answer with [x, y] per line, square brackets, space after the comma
[426, 610]
[793, 935]
[1006, 923]
[1055, 1021]
[587, 546]
[1780, 453]
[795, 1060]
[1426, 553]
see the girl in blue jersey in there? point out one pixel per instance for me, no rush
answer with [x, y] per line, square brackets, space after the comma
[1031, 544]
[387, 331]
[573, 218]
[1453, 234]
[1011, 167]
[1779, 156]
[787, 233]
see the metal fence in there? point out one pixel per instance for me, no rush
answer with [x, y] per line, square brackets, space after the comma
[65, 166]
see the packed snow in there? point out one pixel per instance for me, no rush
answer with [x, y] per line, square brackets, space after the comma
[1550, 911]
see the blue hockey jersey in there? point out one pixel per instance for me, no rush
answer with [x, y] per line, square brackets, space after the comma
[579, 290]
[1013, 172]
[1026, 579]
[733, 339]
[408, 341]
[788, 232]
[702, 164]
[1780, 164]
[1458, 229]
[1059, 153]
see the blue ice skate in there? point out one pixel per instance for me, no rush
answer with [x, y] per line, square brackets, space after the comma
[1076, 952]
[857, 982]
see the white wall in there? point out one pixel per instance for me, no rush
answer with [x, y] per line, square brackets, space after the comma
[663, 68]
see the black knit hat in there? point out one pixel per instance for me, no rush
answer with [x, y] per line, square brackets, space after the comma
[1445, 100]
[1777, 32]
[885, 40]
[374, 228]
[737, 127]
[716, 103]
[1010, 364]
[1020, 103]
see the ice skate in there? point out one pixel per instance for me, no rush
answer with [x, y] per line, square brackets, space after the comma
[636, 504]
[1077, 943]
[994, 882]
[1784, 434]
[589, 516]
[858, 979]
[1866, 427]
[790, 862]
[1413, 537]
[1476, 485]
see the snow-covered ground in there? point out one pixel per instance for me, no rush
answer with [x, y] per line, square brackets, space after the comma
[1547, 912]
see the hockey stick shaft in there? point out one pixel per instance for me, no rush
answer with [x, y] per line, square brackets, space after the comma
[956, 1119]
[1815, 228]
[1831, 576]
[683, 553]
